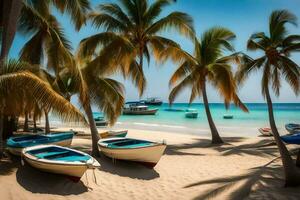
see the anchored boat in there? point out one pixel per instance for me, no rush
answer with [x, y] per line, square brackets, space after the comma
[15, 145]
[191, 113]
[154, 101]
[59, 160]
[138, 109]
[101, 122]
[145, 152]
[227, 116]
[110, 134]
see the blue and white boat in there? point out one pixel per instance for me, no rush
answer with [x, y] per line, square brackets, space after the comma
[292, 139]
[191, 113]
[291, 128]
[145, 152]
[15, 145]
[59, 160]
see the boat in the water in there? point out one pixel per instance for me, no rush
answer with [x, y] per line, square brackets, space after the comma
[228, 116]
[292, 138]
[101, 122]
[59, 160]
[16, 144]
[138, 109]
[191, 113]
[145, 152]
[110, 134]
[265, 131]
[154, 101]
[291, 128]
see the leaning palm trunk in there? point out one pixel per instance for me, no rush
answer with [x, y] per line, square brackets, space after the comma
[93, 128]
[292, 174]
[216, 139]
[34, 123]
[47, 123]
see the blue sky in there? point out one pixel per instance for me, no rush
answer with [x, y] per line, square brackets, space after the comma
[243, 17]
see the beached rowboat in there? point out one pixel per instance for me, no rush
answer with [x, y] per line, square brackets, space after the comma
[145, 152]
[15, 145]
[291, 128]
[292, 139]
[265, 131]
[110, 134]
[59, 160]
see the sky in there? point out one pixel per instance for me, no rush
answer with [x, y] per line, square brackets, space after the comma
[243, 17]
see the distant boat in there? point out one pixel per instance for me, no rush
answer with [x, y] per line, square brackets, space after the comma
[174, 109]
[110, 134]
[154, 101]
[191, 113]
[59, 160]
[265, 131]
[100, 121]
[292, 139]
[15, 145]
[133, 109]
[227, 116]
[291, 128]
[145, 152]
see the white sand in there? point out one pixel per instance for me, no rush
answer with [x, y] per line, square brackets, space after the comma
[190, 169]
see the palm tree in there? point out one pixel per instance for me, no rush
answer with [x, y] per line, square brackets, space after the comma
[19, 84]
[208, 64]
[132, 32]
[276, 47]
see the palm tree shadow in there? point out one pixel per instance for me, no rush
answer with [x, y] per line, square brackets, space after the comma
[127, 169]
[264, 182]
[36, 181]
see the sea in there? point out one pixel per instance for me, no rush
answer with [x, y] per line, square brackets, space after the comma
[175, 121]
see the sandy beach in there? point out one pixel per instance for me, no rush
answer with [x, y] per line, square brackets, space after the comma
[243, 168]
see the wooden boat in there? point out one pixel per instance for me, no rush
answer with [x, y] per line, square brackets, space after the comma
[191, 113]
[265, 131]
[101, 122]
[59, 160]
[227, 116]
[291, 128]
[110, 134]
[292, 139]
[15, 145]
[142, 151]
[133, 109]
[154, 101]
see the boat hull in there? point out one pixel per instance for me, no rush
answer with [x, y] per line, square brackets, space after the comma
[18, 151]
[148, 156]
[292, 139]
[291, 128]
[191, 115]
[265, 131]
[140, 112]
[111, 134]
[74, 170]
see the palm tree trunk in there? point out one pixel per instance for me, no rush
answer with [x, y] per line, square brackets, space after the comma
[47, 123]
[292, 174]
[10, 14]
[34, 123]
[94, 131]
[25, 127]
[1, 136]
[216, 139]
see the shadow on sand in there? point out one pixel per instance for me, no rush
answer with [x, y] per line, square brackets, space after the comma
[36, 181]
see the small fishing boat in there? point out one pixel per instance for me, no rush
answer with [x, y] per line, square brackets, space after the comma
[145, 152]
[291, 128]
[191, 113]
[154, 101]
[174, 109]
[15, 145]
[110, 134]
[59, 160]
[101, 122]
[292, 139]
[227, 116]
[134, 109]
[265, 131]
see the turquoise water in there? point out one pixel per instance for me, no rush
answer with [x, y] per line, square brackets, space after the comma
[176, 121]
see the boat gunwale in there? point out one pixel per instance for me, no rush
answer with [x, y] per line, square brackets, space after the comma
[155, 144]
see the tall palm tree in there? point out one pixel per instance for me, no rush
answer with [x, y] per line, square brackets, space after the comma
[275, 63]
[132, 33]
[19, 84]
[208, 65]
